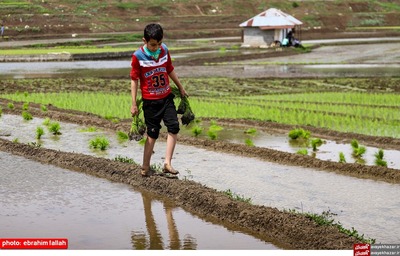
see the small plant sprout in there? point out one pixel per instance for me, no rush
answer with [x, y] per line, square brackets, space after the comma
[16, 140]
[379, 158]
[197, 130]
[46, 121]
[43, 108]
[26, 115]
[303, 151]
[25, 106]
[39, 132]
[99, 142]
[236, 197]
[54, 128]
[315, 143]
[249, 142]
[124, 159]
[342, 158]
[358, 150]
[251, 131]
[10, 105]
[89, 129]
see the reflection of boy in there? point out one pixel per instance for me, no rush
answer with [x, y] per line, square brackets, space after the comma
[152, 66]
[2, 30]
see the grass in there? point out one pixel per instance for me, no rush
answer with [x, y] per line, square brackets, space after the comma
[236, 196]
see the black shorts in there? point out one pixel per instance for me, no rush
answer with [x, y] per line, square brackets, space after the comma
[156, 110]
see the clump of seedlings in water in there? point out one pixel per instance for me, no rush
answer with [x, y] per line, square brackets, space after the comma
[10, 105]
[39, 132]
[46, 121]
[342, 158]
[379, 158]
[302, 151]
[26, 115]
[99, 142]
[251, 131]
[358, 150]
[315, 143]
[25, 106]
[122, 136]
[249, 142]
[299, 133]
[213, 130]
[54, 128]
[197, 130]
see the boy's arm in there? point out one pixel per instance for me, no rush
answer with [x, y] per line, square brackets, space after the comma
[175, 78]
[134, 89]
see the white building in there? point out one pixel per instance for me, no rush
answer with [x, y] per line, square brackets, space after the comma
[269, 27]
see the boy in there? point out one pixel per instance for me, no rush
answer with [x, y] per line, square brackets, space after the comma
[152, 65]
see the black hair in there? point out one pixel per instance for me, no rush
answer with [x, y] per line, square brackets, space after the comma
[153, 31]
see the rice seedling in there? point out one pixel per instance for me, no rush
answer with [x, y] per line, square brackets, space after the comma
[39, 132]
[342, 158]
[1, 111]
[299, 133]
[138, 127]
[251, 131]
[25, 106]
[89, 129]
[43, 108]
[197, 130]
[303, 151]
[10, 105]
[26, 94]
[46, 121]
[122, 136]
[358, 150]
[212, 134]
[99, 142]
[249, 142]
[54, 128]
[142, 141]
[26, 115]
[379, 158]
[315, 143]
[16, 140]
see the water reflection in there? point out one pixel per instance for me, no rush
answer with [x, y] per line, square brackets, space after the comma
[154, 239]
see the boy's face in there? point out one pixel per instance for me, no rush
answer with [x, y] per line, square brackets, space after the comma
[152, 44]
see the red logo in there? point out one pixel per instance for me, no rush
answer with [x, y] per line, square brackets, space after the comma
[362, 249]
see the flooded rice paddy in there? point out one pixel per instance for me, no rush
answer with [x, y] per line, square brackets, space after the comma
[355, 202]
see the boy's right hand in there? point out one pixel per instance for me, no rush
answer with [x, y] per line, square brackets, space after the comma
[134, 110]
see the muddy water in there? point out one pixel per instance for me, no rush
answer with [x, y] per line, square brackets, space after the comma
[371, 207]
[45, 201]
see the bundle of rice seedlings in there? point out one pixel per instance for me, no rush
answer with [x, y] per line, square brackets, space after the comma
[138, 127]
[184, 108]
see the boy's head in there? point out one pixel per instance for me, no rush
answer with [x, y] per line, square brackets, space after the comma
[153, 31]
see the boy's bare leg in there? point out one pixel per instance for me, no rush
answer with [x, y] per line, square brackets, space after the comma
[148, 151]
[171, 142]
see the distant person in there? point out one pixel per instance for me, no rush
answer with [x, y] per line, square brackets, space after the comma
[152, 66]
[2, 30]
[285, 42]
[290, 37]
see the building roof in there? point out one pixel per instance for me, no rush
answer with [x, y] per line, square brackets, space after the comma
[271, 19]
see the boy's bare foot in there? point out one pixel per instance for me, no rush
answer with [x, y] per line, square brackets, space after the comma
[144, 172]
[169, 169]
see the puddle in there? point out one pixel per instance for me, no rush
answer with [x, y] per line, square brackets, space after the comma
[371, 207]
[40, 200]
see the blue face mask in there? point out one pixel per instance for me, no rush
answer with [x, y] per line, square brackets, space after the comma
[152, 54]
